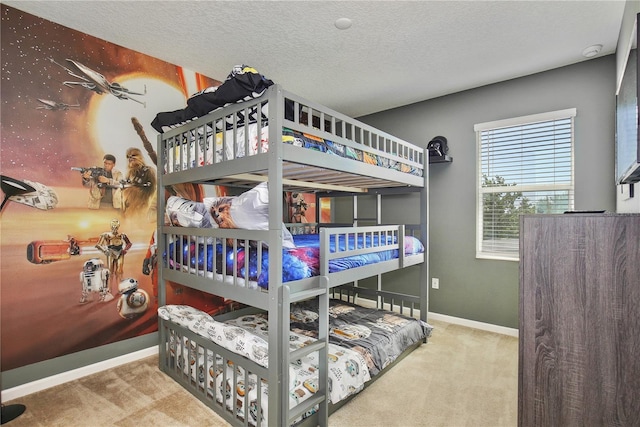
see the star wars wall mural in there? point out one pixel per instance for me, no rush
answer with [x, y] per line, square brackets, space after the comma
[78, 178]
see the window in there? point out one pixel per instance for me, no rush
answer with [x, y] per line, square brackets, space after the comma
[525, 165]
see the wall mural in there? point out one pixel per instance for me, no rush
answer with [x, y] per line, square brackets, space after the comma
[79, 189]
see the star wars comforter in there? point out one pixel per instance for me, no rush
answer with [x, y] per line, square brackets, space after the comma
[297, 263]
[215, 147]
[247, 336]
[380, 336]
[362, 342]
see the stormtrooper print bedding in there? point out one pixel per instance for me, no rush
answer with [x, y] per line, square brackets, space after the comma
[247, 336]
[362, 342]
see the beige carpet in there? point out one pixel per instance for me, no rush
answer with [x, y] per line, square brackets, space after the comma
[462, 377]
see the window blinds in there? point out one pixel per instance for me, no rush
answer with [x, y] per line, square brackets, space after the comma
[525, 166]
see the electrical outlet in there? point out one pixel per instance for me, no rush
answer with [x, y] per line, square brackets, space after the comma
[435, 283]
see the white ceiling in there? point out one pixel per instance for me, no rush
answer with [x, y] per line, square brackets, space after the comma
[395, 53]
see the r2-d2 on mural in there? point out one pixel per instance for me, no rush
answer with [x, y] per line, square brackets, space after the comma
[95, 278]
[133, 301]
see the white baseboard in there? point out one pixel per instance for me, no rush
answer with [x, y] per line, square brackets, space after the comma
[366, 302]
[474, 324]
[54, 380]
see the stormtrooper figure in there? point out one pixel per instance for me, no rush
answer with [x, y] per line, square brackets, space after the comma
[133, 301]
[95, 278]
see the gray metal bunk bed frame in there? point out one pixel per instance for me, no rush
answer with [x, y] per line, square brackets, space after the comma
[285, 167]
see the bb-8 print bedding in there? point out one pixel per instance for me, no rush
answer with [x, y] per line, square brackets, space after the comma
[347, 368]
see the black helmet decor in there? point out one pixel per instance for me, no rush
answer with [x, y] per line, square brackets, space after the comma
[438, 146]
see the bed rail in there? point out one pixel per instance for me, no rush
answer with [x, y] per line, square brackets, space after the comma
[206, 259]
[217, 260]
[193, 362]
[369, 239]
[316, 120]
[409, 305]
[230, 146]
[354, 241]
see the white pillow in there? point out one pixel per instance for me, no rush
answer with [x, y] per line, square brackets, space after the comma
[187, 213]
[185, 316]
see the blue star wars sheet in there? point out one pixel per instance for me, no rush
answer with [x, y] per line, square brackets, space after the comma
[297, 263]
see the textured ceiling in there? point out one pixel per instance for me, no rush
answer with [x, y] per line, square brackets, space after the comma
[395, 53]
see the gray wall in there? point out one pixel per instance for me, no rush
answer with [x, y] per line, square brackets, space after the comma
[487, 290]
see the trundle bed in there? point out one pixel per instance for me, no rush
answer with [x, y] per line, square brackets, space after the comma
[300, 347]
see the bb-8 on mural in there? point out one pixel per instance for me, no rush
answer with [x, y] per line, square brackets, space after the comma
[133, 301]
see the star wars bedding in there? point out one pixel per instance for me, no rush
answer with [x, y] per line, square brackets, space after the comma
[380, 336]
[299, 262]
[215, 147]
[315, 143]
[247, 336]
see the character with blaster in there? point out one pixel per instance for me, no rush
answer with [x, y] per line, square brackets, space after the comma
[104, 186]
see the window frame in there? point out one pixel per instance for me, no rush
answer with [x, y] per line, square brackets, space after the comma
[569, 113]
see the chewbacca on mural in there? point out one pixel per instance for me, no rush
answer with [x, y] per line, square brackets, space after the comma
[140, 189]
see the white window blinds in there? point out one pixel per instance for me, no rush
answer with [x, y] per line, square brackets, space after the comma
[525, 165]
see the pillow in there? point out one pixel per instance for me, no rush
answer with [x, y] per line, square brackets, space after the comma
[185, 316]
[250, 211]
[187, 213]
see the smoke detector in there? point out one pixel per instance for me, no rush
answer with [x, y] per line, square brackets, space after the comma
[343, 23]
[592, 51]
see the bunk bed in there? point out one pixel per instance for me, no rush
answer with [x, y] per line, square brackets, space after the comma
[274, 143]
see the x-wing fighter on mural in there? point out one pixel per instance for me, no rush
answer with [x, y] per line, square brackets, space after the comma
[96, 82]
[55, 106]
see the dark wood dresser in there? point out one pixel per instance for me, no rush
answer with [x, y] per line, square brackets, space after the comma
[579, 362]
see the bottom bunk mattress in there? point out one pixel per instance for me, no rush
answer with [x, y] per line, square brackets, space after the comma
[380, 336]
[357, 351]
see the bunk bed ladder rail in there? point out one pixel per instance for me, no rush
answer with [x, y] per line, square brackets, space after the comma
[321, 345]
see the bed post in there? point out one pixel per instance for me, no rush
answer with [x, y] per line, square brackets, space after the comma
[278, 314]
[159, 240]
[159, 236]
[424, 237]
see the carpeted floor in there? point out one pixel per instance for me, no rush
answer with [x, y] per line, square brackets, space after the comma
[462, 377]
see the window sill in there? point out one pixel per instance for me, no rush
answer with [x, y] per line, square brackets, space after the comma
[496, 257]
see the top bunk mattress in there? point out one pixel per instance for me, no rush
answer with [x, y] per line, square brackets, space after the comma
[319, 145]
